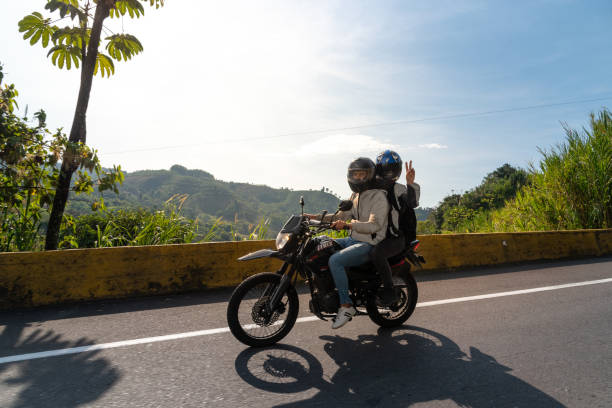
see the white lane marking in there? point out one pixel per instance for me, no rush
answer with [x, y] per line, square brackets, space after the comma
[512, 293]
[93, 347]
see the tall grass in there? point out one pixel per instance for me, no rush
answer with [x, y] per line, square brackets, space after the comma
[212, 231]
[260, 230]
[129, 228]
[571, 187]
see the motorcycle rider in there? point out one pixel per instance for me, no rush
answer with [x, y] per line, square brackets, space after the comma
[388, 171]
[368, 227]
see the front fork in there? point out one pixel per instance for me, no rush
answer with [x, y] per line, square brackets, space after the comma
[277, 292]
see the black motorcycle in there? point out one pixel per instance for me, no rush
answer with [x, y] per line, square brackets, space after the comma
[264, 307]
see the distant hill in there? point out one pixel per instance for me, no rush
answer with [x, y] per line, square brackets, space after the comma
[240, 204]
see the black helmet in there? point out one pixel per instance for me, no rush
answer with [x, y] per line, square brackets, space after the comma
[358, 181]
[388, 165]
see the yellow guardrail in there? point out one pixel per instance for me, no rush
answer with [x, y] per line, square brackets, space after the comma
[41, 278]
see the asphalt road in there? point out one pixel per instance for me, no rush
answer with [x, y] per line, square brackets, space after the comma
[548, 348]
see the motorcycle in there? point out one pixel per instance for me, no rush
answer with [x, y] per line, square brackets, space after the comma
[264, 307]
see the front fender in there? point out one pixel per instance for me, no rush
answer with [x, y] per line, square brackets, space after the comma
[262, 253]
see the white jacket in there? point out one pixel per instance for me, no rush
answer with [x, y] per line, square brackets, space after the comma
[370, 214]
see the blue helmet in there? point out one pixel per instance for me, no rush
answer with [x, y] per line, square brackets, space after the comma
[388, 165]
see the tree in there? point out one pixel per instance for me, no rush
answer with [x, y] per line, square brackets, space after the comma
[493, 192]
[78, 44]
[28, 172]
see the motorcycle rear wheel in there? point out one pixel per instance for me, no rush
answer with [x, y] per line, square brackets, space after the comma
[396, 316]
[246, 315]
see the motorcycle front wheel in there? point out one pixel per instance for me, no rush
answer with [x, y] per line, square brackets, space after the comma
[397, 314]
[247, 315]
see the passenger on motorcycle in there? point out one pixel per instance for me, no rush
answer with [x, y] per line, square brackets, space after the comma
[368, 227]
[388, 171]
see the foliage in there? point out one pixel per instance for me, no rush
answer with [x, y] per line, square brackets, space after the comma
[29, 156]
[571, 188]
[426, 227]
[140, 226]
[259, 231]
[459, 215]
[467, 212]
[335, 233]
[69, 43]
[128, 228]
[78, 45]
[497, 187]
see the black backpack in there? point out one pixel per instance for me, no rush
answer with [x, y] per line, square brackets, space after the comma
[404, 205]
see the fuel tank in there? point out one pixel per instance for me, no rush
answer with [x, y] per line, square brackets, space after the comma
[318, 251]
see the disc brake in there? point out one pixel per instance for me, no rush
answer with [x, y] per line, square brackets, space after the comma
[261, 317]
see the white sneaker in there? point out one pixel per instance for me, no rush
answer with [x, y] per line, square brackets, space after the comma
[344, 315]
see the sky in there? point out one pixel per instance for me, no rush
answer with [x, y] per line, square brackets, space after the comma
[287, 93]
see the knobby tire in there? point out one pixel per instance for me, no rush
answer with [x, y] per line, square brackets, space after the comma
[410, 296]
[289, 299]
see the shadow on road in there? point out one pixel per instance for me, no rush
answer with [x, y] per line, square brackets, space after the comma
[398, 367]
[64, 381]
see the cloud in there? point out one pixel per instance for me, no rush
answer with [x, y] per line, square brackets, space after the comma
[433, 146]
[343, 144]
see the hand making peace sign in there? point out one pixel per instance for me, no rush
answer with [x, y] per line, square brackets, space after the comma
[410, 174]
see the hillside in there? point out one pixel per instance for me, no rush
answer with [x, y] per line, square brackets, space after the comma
[239, 204]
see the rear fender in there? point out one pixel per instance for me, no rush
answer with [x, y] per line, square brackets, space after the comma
[416, 259]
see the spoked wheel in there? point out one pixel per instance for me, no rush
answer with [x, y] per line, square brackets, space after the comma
[398, 313]
[247, 315]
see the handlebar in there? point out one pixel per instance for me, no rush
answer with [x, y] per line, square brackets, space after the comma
[317, 223]
[320, 224]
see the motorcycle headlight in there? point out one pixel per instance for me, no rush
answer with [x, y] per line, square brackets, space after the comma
[281, 239]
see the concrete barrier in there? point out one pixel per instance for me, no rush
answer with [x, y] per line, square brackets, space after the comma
[41, 278]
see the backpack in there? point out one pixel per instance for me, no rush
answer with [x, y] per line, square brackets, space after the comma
[404, 205]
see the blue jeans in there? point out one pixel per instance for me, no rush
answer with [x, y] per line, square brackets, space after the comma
[354, 253]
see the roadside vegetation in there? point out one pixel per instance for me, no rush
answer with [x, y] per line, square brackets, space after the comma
[468, 212]
[570, 188]
[30, 159]
[145, 226]
[77, 44]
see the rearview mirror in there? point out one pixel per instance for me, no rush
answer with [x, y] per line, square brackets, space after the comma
[345, 205]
